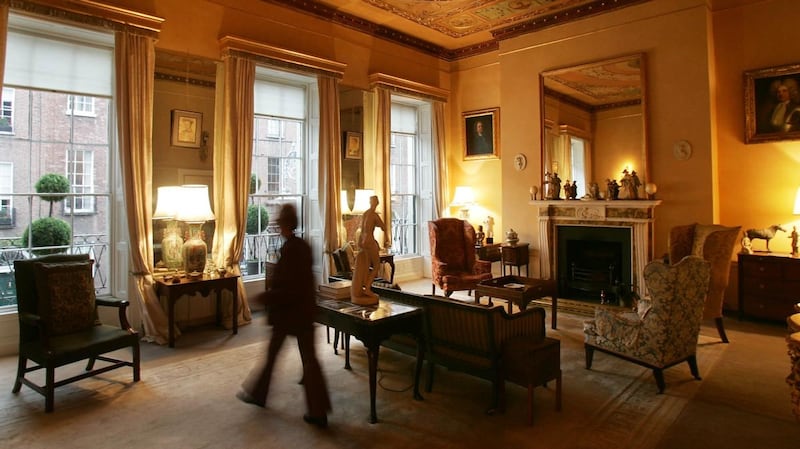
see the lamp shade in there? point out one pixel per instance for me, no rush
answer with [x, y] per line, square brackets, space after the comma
[167, 201]
[194, 206]
[361, 203]
[464, 196]
[345, 205]
[796, 209]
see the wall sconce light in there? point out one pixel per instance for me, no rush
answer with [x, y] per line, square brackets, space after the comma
[361, 203]
[464, 198]
[194, 210]
[167, 202]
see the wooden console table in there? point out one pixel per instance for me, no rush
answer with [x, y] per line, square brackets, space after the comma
[372, 325]
[173, 291]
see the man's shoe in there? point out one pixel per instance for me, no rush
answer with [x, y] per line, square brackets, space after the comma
[247, 398]
[319, 421]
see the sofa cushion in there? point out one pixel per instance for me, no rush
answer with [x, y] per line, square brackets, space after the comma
[66, 296]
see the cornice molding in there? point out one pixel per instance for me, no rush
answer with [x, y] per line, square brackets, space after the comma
[282, 57]
[92, 13]
[365, 26]
[412, 88]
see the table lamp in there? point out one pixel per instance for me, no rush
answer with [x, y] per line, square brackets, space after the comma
[361, 202]
[194, 210]
[463, 199]
[168, 199]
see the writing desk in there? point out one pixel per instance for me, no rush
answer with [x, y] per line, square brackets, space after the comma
[173, 291]
[372, 325]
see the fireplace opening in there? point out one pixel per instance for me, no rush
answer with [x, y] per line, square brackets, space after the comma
[591, 260]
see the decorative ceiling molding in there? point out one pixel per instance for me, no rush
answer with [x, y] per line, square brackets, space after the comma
[525, 17]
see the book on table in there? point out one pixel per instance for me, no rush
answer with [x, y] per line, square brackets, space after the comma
[335, 289]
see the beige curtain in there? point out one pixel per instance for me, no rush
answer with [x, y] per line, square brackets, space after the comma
[440, 174]
[233, 150]
[330, 167]
[135, 67]
[383, 141]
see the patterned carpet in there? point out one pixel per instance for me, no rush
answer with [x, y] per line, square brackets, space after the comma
[189, 403]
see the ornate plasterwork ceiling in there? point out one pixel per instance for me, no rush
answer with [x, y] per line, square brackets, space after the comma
[452, 29]
[602, 85]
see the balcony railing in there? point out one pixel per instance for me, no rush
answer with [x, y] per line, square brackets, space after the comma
[95, 245]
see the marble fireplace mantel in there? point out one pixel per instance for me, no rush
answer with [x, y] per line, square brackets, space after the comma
[637, 215]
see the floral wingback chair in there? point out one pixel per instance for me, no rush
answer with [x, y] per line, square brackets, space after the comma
[664, 329]
[714, 243]
[453, 263]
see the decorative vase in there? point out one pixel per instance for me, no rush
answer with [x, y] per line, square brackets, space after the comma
[511, 237]
[194, 250]
[172, 246]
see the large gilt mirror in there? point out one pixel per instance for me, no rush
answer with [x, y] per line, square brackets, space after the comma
[594, 122]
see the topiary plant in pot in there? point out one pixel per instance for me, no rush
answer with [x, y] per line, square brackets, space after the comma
[49, 231]
[257, 221]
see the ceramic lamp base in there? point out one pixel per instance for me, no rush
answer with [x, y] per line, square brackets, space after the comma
[194, 251]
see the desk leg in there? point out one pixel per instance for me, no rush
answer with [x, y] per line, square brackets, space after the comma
[372, 356]
[171, 320]
[346, 351]
[418, 369]
[235, 301]
[554, 312]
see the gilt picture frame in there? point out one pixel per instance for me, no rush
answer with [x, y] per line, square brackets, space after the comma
[352, 146]
[187, 129]
[772, 104]
[481, 134]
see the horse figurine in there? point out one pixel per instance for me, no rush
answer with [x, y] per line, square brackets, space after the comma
[764, 234]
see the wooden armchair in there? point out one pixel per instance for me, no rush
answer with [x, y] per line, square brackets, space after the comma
[714, 243]
[664, 329]
[59, 325]
[453, 262]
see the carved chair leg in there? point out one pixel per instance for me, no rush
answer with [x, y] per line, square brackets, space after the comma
[21, 366]
[136, 362]
[692, 361]
[589, 354]
[721, 329]
[433, 289]
[659, 375]
[90, 363]
[49, 389]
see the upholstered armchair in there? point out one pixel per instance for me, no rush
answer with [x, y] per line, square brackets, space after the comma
[453, 262]
[664, 329]
[714, 243]
[58, 323]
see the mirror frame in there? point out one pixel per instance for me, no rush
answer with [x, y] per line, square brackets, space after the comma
[545, 124]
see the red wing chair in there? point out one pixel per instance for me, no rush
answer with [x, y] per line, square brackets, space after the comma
[453, 263]
[714, 243]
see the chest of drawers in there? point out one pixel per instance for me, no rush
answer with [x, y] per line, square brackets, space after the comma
[769, 285]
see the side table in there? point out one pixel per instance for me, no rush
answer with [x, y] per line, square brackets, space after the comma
[515, 255]
[173, 291]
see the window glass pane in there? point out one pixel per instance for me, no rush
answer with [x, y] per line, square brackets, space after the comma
[279, 146]
[46, 139]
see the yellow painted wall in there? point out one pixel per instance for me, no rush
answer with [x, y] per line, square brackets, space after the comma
[673, 36]
[758, 181]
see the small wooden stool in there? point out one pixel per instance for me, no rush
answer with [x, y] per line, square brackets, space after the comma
[530, 363]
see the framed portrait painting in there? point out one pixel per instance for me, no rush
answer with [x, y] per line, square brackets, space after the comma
[187, 129]
[772, 104]
[352, 145]
[481, 134]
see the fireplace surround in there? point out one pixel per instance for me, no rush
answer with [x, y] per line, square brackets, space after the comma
[635, 216]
